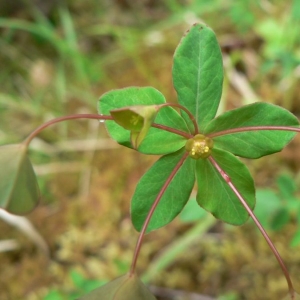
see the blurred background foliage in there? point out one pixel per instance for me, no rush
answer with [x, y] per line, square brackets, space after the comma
[57, 58]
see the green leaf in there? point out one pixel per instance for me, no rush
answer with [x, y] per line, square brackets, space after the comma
[192, 212]
[19, 192]
[216, 196]
[198, 73]
[296, 239]
[152, 144]
[280, 219]
[267, 204]
[287, 187]
[54, 295]
[125, 287]
[174, 198]
[253, 144]
[138, 119]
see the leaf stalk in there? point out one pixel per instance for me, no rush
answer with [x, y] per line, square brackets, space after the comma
[252, 128]
[192, 118]
[61, 119]
[151, 211]
[260, 227]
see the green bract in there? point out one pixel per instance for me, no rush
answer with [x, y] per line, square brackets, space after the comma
[157, 141]
[198, 78]
[19, 192]
[138, 119]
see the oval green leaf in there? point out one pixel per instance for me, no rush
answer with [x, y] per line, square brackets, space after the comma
[198, 73]
[253, 144]
[19, 192]
[152, 143]
[126, 287]
[216, 196]
[173, 199]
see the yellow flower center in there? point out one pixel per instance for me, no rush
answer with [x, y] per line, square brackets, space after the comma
[199, 146]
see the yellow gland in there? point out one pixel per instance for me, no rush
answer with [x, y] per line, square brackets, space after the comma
[199, 146]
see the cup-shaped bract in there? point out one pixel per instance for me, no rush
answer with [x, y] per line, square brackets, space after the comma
[138, 119]
[19, 192]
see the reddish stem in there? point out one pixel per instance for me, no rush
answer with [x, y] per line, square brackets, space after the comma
[260, 227]
[252, 128]
[64, 118]
[151, 211]
[173, 130]
[192, 118]
[97, 117]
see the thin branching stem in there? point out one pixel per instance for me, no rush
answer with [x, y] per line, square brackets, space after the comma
[253, 128]
[260, 227]
[151, 211]
[34, 133]
[192, 118]
[61, 119]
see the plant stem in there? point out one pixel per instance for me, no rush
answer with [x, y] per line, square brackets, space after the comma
[252, 128]
[96, 117]
[173, 130]
[151, 211]
[260, 227]
[64, 118]
[192, 118]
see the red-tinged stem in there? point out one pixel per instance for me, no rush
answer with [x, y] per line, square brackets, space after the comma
[260, 227]
[252, 128]
[185, 110]
[151, 211]
[173, 130]
[97, 117]
[61, 119]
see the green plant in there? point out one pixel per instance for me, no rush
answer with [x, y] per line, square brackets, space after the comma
[82, 286]
[194, 144]
[276, 208]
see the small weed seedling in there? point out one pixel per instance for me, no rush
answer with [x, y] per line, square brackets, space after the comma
[194, 144]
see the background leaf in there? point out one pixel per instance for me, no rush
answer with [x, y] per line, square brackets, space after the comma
[216, 196]
[192, 212]
[296, 239]
[198, 73]
[166, 116]
[253, 144]
[19, 192]
[267, 204]
[123, 288]
[287, 187]
[280, 219]
[174, 198]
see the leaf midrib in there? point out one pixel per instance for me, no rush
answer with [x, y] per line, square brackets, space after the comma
[198, 81]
